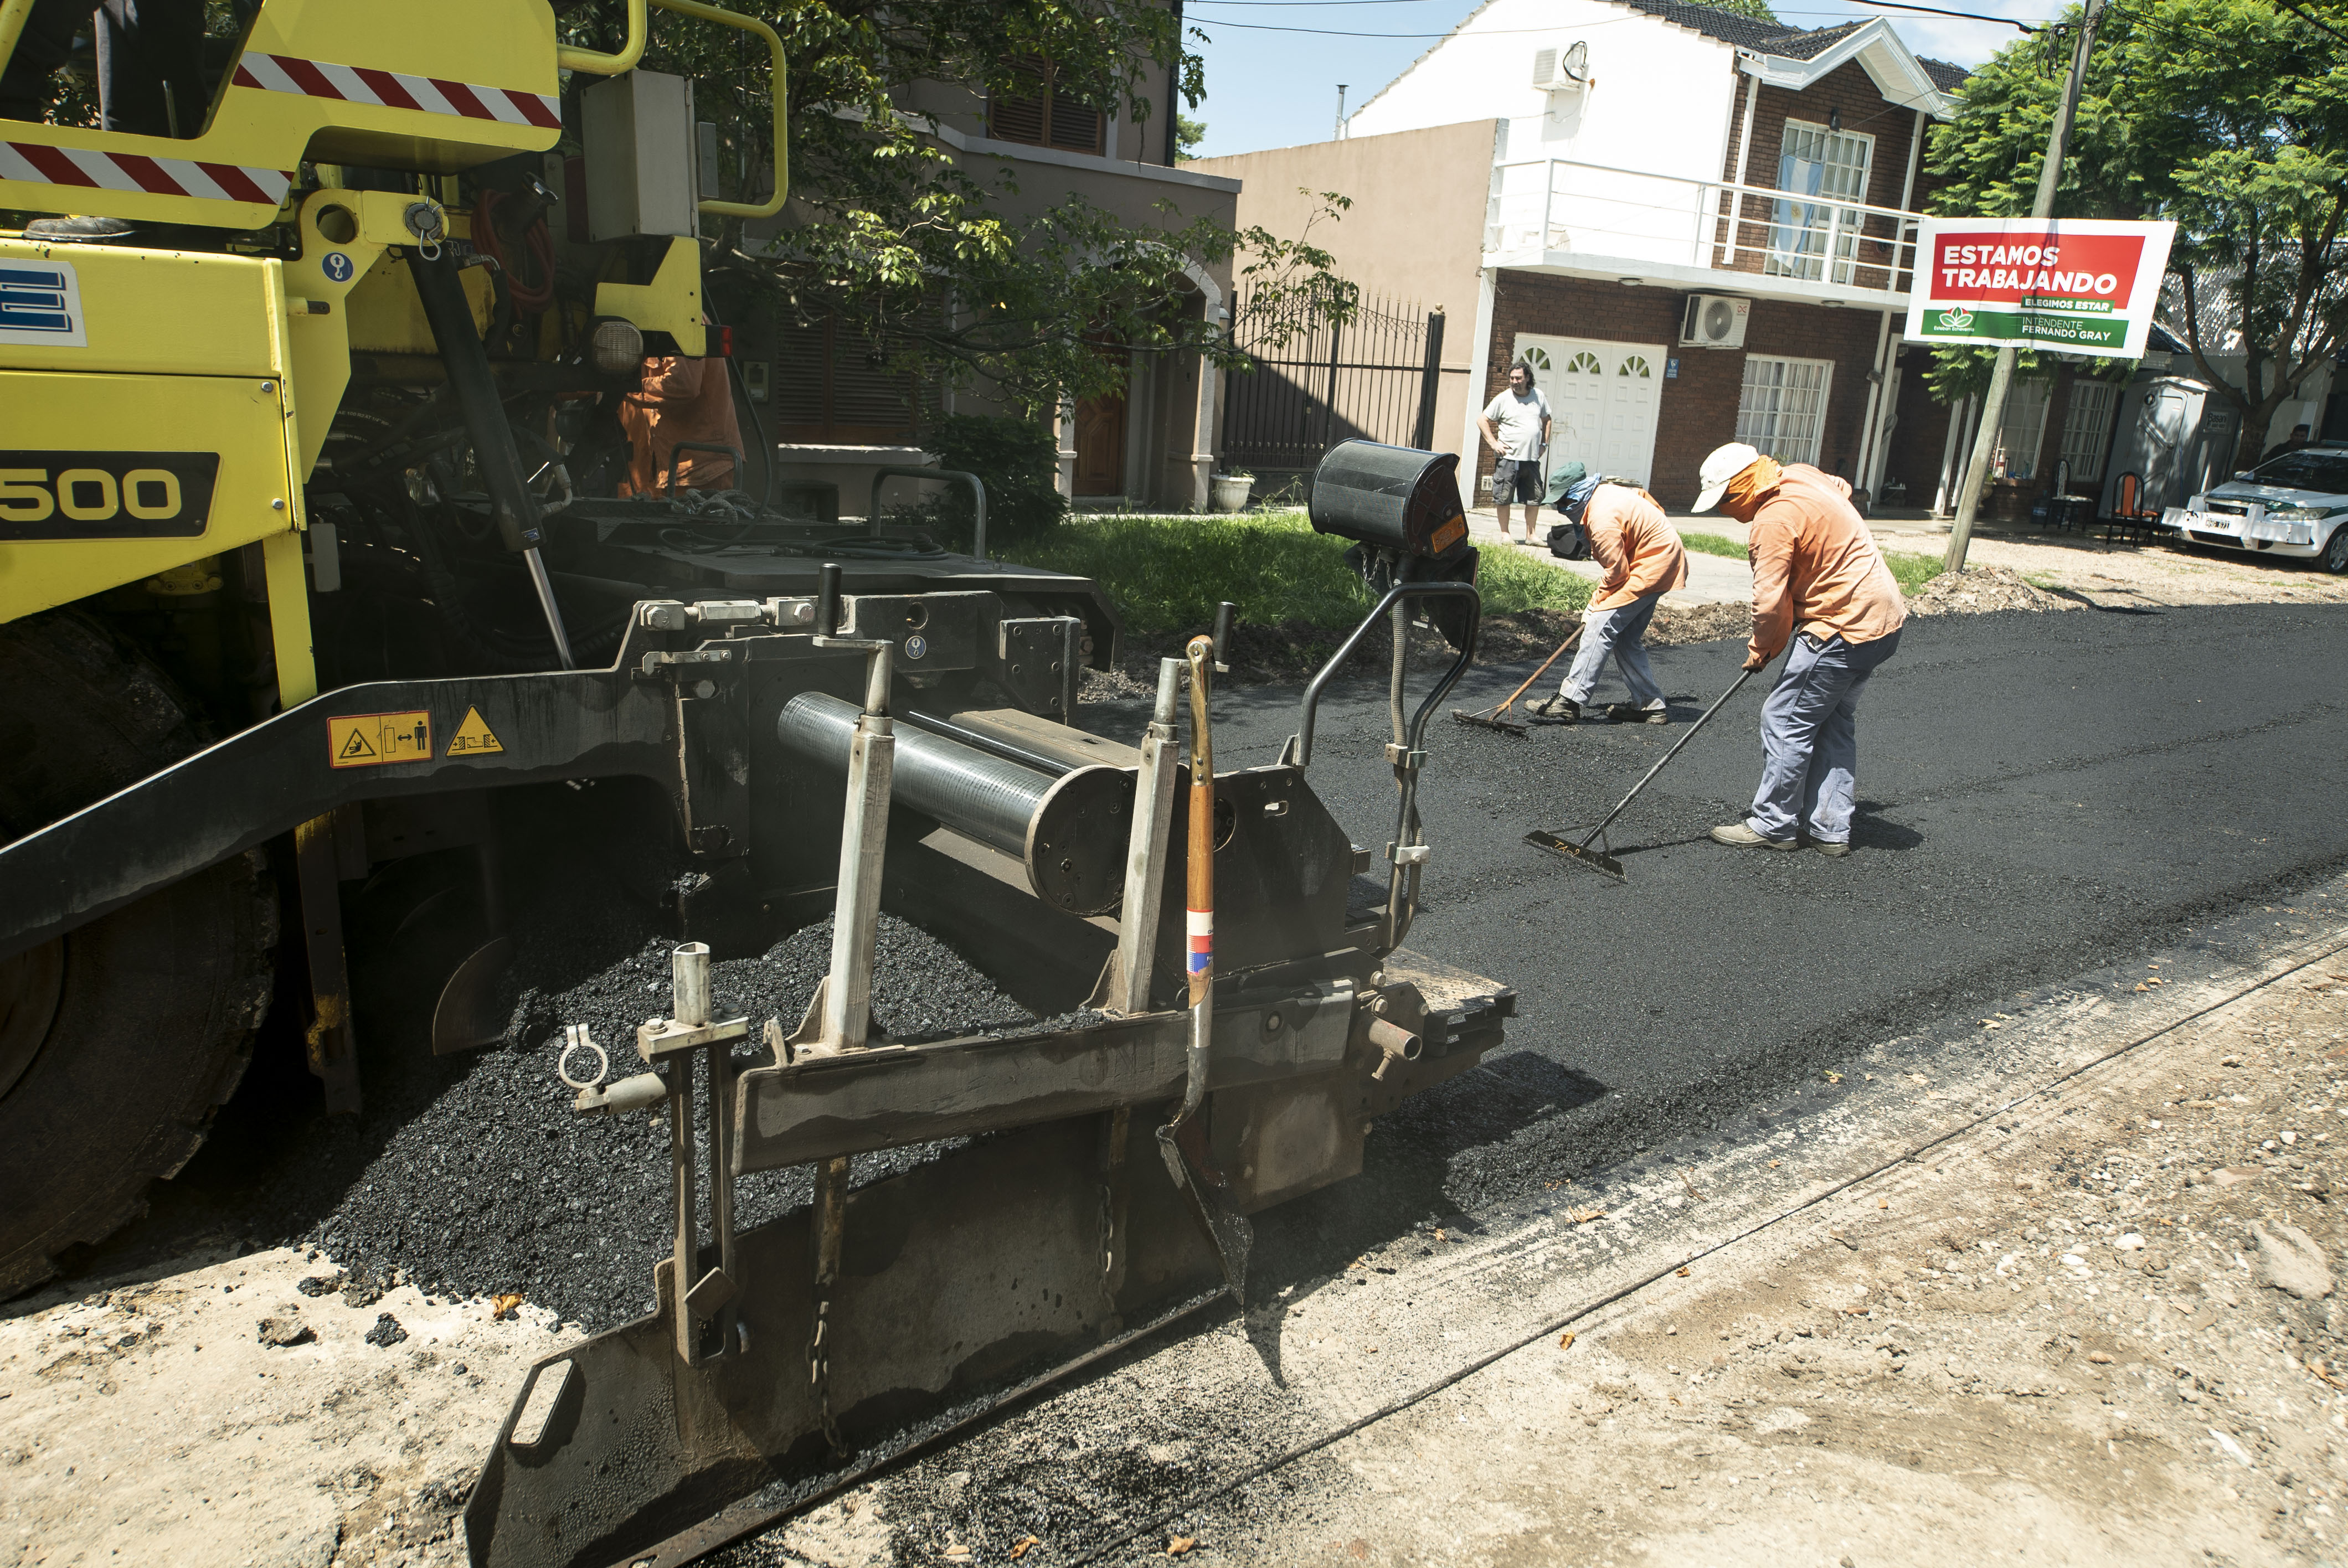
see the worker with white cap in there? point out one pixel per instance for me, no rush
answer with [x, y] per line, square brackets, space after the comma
[1818, 580]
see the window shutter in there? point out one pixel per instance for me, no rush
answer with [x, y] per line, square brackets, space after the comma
[1075, 127]
[1022, 116]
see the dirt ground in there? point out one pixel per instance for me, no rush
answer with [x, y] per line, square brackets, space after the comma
[221, 1414]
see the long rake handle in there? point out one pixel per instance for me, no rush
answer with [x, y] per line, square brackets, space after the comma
[1743, 676]
[1537, 674]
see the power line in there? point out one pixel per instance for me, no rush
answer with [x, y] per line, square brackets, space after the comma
[2311, 21]
[2026, 28]
[1936, 11]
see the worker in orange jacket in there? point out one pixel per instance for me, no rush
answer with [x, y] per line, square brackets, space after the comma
[1644, 560]
[1819, 581]
[680, 402]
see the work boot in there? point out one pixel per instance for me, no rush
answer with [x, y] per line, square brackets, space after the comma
[1831, 846]
[1632, 713]
[82, 230]
[1739, 836]
[1563, 708]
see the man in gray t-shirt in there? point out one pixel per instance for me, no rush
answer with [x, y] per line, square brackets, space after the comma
[1516, 426]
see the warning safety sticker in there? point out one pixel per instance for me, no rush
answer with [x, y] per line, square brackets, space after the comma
[473, 737]
[372, 740]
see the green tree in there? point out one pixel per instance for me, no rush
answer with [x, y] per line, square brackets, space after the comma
[1757, 9]
[2229, 116]
[888, 236]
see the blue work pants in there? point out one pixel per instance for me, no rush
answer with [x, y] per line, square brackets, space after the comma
[1618, 633]
[1809, 738]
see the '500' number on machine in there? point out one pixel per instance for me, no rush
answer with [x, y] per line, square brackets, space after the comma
[106, 494]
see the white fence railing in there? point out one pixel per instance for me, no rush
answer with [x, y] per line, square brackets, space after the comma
[1555, 204]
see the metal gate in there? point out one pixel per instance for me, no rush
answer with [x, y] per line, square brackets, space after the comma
[1315, 382]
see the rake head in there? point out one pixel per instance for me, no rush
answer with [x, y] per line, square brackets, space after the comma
[1489, 719]
[1598, 860]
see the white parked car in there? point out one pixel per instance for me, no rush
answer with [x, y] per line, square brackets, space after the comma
[2294, 504]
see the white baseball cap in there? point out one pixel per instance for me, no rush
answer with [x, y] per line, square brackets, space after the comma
[1725, 464]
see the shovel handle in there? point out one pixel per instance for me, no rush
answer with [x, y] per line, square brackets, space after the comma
[1201, 858]
[1541, 671]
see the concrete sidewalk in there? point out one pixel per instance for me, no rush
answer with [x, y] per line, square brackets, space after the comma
[2109, 576]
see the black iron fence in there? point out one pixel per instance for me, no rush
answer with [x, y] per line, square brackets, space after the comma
[1316, 382]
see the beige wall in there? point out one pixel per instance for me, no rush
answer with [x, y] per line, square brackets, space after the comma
[1414, 232]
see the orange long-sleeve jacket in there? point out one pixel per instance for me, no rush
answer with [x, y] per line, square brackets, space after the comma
[1816, 565]
[680, 400]
[1638, 546]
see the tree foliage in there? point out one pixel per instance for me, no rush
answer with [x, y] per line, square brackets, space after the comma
[1757, 9]
[2229, 116]
[886, 234]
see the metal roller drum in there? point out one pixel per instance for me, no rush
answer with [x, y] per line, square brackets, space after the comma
[1068, 829]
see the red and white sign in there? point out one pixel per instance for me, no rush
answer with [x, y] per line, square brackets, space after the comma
[396, 89]
[39, 164]
[2084, 286]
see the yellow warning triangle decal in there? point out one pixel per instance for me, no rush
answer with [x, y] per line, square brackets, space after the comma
[357, 746]
[473, 737]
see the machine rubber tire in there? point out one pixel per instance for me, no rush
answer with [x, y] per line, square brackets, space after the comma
[2336, 551]
[119, 1039]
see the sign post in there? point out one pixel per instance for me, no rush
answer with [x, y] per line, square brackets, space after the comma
[2049, 171]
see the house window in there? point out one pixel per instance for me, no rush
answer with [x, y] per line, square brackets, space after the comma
[1038, 113]
[1815, 161]
[832, 383]
[2021, 432]
[1782, 409]
[2087, 428]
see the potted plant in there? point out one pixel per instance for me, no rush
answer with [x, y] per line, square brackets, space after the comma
[1231, 490]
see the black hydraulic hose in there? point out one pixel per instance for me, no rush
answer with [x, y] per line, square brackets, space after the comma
[467, 364]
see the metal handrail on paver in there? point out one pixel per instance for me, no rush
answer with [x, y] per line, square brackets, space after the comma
[977, 491]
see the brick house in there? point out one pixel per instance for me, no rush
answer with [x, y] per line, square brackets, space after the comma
[1695, 226]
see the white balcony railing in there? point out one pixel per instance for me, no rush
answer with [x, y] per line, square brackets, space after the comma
[1550, 205]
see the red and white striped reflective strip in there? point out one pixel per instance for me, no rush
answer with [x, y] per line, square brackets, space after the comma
[394, 89]
[76, 166]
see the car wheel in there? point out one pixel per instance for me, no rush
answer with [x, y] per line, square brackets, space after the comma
[2335, 553]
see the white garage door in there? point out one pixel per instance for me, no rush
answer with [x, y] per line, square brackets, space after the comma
[1602, 398]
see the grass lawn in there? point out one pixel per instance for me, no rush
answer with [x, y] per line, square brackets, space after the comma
[1713, 545]
[1914, 570]
[1167, 574]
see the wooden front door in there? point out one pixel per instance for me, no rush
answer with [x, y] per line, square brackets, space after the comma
[1100, 447]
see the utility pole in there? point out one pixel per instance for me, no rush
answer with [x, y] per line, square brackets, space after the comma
[1340, 135]
[2001, 378]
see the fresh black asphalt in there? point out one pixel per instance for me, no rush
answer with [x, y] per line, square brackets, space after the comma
[2039, 794]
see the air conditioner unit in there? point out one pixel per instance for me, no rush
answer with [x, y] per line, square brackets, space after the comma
[1561, 70]
[1714, 321]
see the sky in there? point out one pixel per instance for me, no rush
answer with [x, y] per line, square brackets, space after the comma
[1268, 86]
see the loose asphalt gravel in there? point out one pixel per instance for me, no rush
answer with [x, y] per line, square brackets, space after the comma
[472, 1175]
